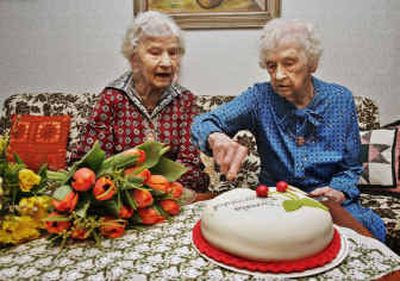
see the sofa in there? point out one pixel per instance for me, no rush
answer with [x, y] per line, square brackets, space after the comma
[78, 107]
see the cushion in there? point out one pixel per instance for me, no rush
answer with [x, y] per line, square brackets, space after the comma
[380, 153]
[38, 140]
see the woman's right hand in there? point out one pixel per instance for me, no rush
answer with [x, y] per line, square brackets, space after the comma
[227, 153]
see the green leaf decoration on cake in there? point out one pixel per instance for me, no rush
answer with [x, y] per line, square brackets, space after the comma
[291, 205]
[294, 204]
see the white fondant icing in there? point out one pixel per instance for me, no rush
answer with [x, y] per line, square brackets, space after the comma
[260, 229]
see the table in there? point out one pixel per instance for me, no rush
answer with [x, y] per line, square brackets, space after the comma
[343, 218]
[165, 252]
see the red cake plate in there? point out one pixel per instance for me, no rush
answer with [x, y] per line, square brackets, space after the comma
[325, 260]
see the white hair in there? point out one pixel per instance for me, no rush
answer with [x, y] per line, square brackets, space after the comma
[150, 23]
[280, 30]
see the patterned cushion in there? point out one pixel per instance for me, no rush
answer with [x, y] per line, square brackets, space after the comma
[388, 208]
[39, 140]
[380, 157]
[77, 106]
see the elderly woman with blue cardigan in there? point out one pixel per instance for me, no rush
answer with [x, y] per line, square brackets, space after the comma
[306, 129]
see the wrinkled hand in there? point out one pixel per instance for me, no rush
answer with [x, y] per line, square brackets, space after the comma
[330, 193]
[227, 153]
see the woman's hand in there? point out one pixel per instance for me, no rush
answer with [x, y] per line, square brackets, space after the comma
[330, 193]
[227, 153]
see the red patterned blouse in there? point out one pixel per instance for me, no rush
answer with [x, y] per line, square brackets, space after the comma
[120, 121]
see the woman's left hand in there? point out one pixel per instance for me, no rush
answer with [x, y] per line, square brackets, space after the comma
[330, 193]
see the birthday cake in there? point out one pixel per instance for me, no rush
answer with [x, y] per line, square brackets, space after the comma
[282, 226]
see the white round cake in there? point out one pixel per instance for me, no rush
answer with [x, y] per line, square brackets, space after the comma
[282, 226]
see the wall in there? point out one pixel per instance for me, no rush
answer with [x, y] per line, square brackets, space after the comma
[73, 46]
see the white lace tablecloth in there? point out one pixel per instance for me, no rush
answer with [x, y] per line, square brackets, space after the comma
[165, 252]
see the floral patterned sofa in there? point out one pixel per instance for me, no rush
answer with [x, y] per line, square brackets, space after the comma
[79, 106]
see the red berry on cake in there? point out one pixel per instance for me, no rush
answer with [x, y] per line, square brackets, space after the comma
[262, 190]
[281, 186]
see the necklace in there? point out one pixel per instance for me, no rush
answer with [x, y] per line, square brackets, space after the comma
[300, 135]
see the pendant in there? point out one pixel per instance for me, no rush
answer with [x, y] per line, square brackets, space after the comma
[300, 141]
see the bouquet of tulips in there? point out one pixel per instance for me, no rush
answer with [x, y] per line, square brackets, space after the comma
[102, 197]
[23, 204]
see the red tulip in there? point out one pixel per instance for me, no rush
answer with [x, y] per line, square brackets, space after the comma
[144, 174]
[67, 204]
[125, 212]
[56, 227]
[170, 206]
[150, 216]
[112, 228]
[143, 198]
[158, 182]
[140, 154]
[104, 189]
[176, 189]
[83, 179]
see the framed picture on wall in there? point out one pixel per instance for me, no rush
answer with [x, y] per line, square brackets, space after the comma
[206, 14]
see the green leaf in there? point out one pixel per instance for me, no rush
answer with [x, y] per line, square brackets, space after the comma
[313, 203]
[291, 205]
[154, 150]
[82, 209]
[112, 206]
[93, 158]
[61, 192]
[130, 200]
[169, 169]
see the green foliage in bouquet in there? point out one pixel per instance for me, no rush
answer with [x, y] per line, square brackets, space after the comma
[23, 204]
[101, 197]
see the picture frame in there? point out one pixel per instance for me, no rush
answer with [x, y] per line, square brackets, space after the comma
[214, 14]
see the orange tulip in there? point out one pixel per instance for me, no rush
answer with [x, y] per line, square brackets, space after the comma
[144, 174]
[125, 212]
[67, 204]
[83, 179]
[170, 206]
[79, 233]
[158, 182]
[176, 189]
[140, 154]
[56, 227]
[150, 216]
[112, 228]
[142, 197]
[104, 189]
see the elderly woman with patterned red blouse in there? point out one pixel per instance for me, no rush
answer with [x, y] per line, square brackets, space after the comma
[146, 103]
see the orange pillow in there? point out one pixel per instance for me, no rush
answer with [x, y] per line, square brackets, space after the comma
[39, 139]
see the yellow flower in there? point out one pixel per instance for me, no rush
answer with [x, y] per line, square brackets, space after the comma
[35, 207]
[3, 143]
[27, 179]
[16, 230]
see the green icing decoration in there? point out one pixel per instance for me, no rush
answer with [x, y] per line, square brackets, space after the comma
[293, 205]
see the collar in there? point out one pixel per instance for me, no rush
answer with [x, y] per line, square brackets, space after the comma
[126, 84]
[287, 115]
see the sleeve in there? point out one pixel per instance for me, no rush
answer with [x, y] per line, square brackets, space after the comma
[188, 154]
[239, 114]
[98, 127]
[347, 178]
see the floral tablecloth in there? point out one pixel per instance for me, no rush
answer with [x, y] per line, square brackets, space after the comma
[165, 252]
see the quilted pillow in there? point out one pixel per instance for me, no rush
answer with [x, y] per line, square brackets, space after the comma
[38, 140]
[380, 152]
